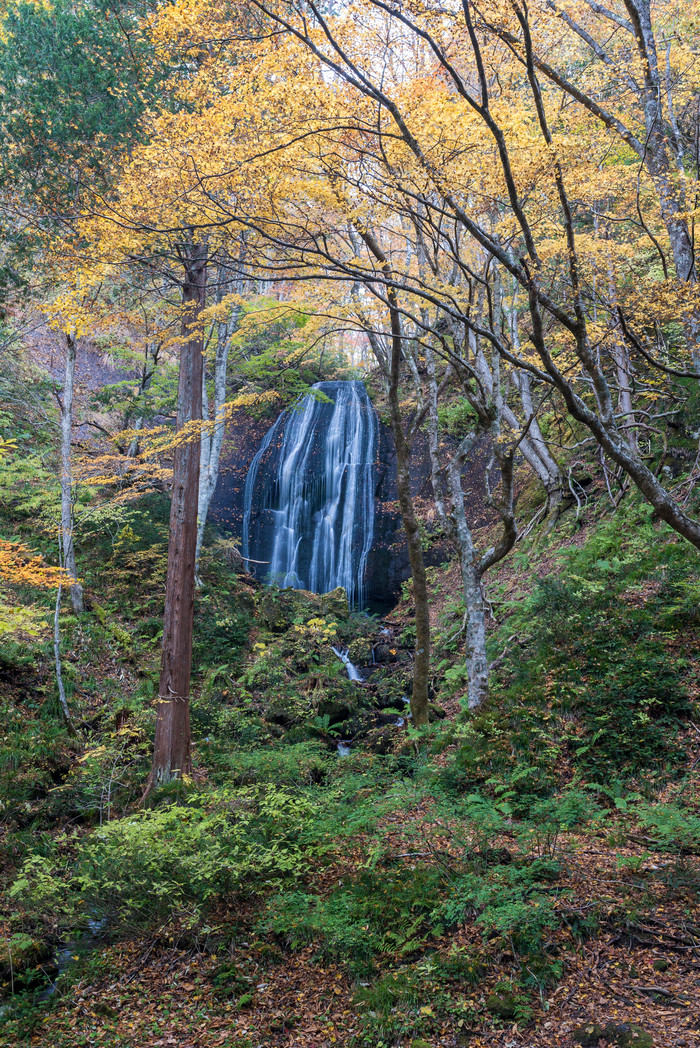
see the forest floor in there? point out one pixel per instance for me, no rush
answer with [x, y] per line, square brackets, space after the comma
[526, 876]
[148, 991]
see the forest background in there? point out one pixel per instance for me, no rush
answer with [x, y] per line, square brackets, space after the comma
[488, 213]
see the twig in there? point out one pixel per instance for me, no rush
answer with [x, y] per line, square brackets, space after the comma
[497, 661]
[541, 512]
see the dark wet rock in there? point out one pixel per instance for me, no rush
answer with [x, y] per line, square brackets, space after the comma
[384, 653]
[335, 710]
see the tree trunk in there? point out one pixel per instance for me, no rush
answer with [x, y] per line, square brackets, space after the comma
[421, 661]
[391, 367]
[62, 698]
[171, 754]
[76, 590]
[434, 438]
[532, 447]
[213, 438]
[149, 366]
[475, 609]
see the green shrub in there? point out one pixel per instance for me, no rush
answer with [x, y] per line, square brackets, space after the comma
[333, 924]
[171, 863]
[672, 828]
[296, 764]
[373, 913]
[596, 677]
[511, 904]
[457, 418]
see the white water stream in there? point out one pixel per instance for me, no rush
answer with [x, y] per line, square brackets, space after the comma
[353, 672]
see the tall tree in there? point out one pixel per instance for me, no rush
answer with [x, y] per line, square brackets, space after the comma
[550, 272]
[171, 752]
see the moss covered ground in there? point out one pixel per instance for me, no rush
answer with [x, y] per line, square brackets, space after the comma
[515, 876]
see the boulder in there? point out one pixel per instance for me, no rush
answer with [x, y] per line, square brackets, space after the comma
[503, 1005]
[628, 1035]
[360, 651]
[588, 1036]
[335, 603]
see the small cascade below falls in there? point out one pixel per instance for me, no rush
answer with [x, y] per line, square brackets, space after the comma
[353, 672]
[308, 510]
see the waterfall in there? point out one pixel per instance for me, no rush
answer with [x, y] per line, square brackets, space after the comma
[308, 506]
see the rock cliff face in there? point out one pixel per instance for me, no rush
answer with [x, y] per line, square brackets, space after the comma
[388, 564]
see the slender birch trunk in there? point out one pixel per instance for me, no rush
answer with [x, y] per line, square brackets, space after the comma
[149, 365]
[67, 542]
[213, 435]
[62, 698]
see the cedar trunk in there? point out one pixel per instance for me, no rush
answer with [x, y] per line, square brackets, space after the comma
[171, 754]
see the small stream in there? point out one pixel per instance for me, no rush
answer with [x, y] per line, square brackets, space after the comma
[344, 747]
[63, 957]
[352, 670]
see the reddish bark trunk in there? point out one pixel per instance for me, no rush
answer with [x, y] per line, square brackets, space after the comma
[171, 754]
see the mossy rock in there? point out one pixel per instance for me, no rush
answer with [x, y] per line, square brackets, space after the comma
[660, 965]
[335, 603]
[628, 1035]
[503, 1005]
[279, 609]
[417, 1042]
[588, 1036]
[360, 652]
[245, 599]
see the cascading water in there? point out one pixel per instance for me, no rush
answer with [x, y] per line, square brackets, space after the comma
[308, 509]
